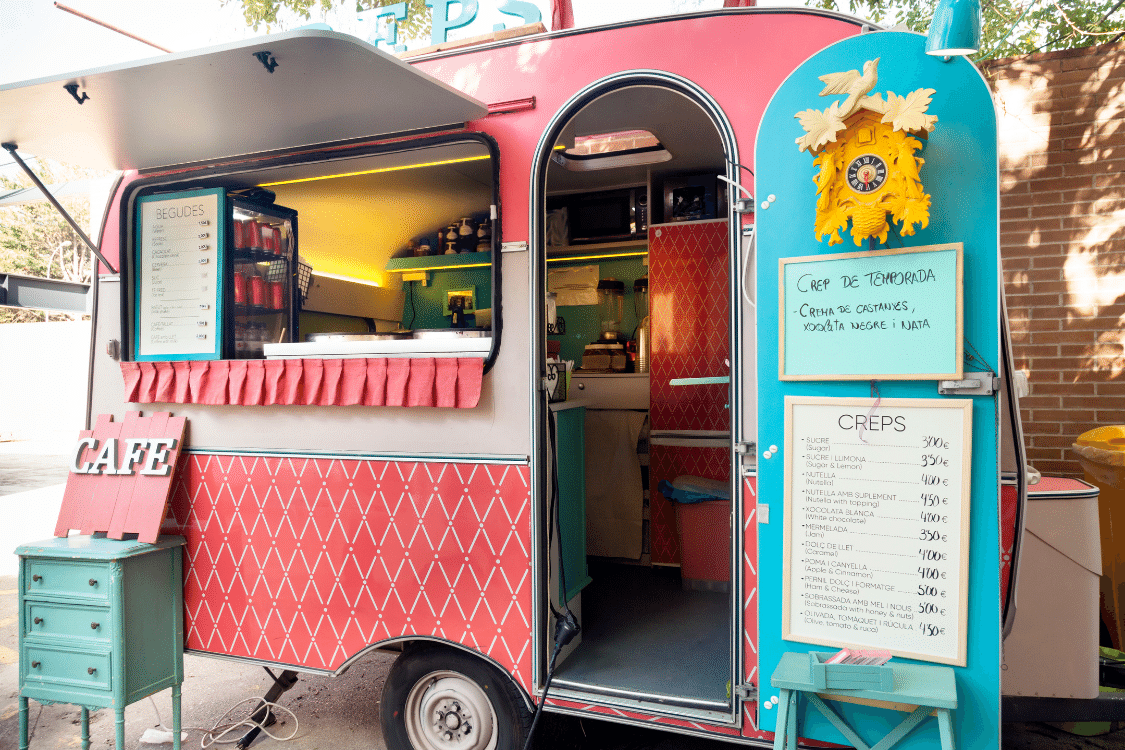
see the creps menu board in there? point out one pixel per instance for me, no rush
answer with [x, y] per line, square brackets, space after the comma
[179, 275]
[877, 524]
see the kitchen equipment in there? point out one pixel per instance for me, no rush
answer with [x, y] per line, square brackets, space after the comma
[605, 356]
[611, 308]
[484, 236]
[385, 336]
[602, 216]
[449, 239]
[552, 309]
[449, 333]
[640, 308]
[466, 235]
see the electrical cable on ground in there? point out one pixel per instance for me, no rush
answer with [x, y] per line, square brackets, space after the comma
[218, 734]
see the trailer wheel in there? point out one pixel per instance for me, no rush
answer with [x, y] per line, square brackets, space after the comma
[443, 699]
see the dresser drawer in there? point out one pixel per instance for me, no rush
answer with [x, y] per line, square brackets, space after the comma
[70, 578]
[67, 666]
[67, 621]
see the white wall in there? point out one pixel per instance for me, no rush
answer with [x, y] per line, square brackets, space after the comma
[43, 375]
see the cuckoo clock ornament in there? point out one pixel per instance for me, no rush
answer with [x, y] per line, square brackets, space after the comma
[866, 149]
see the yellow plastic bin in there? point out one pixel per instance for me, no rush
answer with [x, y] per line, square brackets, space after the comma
[1101, 452]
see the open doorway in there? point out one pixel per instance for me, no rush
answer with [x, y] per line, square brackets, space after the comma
[637, 299]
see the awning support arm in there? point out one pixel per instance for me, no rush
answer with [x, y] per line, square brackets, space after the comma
[11, 149]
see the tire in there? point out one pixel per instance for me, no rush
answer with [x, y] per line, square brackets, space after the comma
[438, 698]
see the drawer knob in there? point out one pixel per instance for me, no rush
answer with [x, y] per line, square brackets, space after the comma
[35, 665]
[93, 581]
[95, 625]
[581, 386]
[90, 670]
[38, 620]
[37, 578]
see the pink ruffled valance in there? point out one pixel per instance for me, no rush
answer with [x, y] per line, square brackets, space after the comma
[423, 381]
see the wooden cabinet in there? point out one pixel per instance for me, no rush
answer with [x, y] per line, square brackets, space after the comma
[101, 626]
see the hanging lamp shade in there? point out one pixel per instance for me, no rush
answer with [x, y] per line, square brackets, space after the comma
[955, 29]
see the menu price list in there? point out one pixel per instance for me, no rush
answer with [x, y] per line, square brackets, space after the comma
[877, 524]
[179, 274]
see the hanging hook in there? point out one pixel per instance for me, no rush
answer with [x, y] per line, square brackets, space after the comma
[72, 89]
[267, 59]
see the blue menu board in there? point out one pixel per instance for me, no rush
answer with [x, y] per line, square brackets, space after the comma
[881, 315]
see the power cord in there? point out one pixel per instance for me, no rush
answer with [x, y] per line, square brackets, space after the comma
[218, 734]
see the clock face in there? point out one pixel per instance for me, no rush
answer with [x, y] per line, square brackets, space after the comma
[867, 173]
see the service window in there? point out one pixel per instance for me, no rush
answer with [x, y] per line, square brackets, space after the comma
[376, 252]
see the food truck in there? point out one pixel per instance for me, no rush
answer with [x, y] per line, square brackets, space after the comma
[764, 239]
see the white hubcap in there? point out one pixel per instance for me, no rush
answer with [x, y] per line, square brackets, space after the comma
[447, 711]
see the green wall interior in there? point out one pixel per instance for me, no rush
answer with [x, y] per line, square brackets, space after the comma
[583, 325]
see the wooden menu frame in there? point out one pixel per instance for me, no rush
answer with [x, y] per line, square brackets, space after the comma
[869, 406]
[862, 341]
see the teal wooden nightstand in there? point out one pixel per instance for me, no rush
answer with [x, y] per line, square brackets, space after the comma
[101, 626]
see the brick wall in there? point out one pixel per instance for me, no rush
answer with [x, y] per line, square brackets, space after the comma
[1062, 235]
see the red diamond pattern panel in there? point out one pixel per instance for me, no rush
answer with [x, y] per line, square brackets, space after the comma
[669, 462]
[306, 561]
[750, 603]
[689, 286]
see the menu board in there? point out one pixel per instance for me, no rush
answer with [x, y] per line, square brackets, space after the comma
[877, 524]
[883, 314]
[179, 275]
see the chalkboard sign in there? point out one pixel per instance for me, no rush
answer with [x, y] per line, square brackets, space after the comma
[885, 314]
[877, 524]
[180, 258]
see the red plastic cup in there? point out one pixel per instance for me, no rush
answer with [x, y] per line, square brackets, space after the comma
[277, 295]
[256, 239]
[239, 288]
[239, 235]
[257, 291]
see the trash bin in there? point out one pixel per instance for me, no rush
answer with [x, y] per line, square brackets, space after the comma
[1053, 647]
[704, 528]
[1101, 452]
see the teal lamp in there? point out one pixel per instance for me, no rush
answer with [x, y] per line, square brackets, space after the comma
[955, 29]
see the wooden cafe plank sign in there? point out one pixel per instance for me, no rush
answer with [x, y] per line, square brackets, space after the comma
[121, 476]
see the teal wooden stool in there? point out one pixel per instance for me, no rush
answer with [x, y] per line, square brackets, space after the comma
[931, 690]
[101, 626]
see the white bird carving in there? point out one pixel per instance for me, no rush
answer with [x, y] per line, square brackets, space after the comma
[853, 84]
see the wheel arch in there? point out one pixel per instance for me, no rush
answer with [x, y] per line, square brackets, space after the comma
[409, 642]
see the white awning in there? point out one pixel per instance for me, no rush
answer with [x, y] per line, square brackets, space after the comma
[222, 101]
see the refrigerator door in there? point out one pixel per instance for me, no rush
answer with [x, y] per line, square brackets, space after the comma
[689, 292]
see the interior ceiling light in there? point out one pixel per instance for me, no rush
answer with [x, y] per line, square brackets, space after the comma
[625, 148]
[377, 171]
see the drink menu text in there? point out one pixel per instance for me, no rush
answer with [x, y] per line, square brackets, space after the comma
[179, 267]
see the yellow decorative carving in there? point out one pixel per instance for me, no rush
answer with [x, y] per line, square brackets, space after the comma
[867, 157]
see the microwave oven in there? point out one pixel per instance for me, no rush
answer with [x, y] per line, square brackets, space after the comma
[605, 216]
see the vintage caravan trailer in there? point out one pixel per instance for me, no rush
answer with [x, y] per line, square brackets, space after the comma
[338, 266]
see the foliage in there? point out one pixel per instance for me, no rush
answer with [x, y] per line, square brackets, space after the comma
[265, 13]
[1010, 27]
[33, 237]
